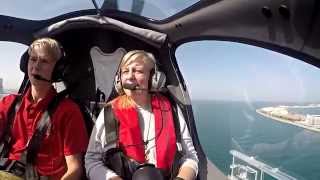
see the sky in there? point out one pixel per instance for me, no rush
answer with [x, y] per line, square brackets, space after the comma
[211, 69]
[227, 70]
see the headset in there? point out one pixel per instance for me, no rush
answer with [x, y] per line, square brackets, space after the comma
[58, 70]
[157, 78]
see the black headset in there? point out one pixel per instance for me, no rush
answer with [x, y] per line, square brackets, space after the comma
[58, 70]
[157, 78]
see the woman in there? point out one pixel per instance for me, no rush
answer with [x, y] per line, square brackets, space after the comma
[146, 131]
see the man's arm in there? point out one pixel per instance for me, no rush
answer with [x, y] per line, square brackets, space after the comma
[5, 103]
[74, 167]
[74, 141]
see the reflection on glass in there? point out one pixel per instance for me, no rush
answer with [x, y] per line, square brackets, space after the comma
[149, 8]
[229, 82]
[39, 9]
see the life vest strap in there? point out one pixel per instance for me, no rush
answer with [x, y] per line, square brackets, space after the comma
[111, 125]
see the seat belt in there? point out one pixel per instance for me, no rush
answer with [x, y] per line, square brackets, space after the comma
[179, 153]
[5, 140]
[42, 127]
[30, 154]
[111, 125]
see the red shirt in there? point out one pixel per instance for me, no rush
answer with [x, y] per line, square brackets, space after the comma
[66, 136]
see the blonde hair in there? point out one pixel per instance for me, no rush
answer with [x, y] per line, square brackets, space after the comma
[138, 55]
[130, 57]
[50, 45]
[123, 102]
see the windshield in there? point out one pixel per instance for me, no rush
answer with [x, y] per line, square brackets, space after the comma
[255, 109]
[40, 9]
[149, 8]
[10, 74]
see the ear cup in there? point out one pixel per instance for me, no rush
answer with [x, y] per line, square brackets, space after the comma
[59, 68]
[58, 71]
[24, 62]
[157, 80]
[117, 84]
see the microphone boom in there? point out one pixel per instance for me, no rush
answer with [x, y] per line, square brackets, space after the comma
[132, 87]
[38, 77]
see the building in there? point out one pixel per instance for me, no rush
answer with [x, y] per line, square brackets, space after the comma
[313, 120]
[1, 86]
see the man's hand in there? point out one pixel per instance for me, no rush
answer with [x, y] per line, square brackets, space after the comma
[74, 167]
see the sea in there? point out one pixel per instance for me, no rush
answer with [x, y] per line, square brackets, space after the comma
[226, 125]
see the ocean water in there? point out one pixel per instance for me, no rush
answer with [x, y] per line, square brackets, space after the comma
[226, 125]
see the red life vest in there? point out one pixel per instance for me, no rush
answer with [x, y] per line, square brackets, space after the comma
[130, 138]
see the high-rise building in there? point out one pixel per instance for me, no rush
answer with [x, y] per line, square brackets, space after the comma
[1, 87]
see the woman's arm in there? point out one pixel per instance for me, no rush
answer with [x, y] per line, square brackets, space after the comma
[95, 168]
[189, 162]
[187, 173]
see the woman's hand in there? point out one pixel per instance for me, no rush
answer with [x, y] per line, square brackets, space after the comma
[116, 178]
[186, 173]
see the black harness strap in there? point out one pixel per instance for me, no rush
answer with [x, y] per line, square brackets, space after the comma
[5, 140]
[37, 137]
[29, 156]
[179, 153]
[111, 125]
[42, 127]
[176, 124]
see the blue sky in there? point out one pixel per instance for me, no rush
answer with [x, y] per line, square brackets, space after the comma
[212, 69]
[226, 70]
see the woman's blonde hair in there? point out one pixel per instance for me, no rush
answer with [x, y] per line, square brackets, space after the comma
[50, 45]
[135, 55]
[132, 56]
[124, 102]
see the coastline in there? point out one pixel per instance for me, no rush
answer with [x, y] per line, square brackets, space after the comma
[282, 120]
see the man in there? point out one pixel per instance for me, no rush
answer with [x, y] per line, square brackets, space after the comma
[60, 152]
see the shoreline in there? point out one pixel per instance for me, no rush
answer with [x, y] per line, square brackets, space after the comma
[282, 120]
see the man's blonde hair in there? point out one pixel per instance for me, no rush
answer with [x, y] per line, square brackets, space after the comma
[50, 45]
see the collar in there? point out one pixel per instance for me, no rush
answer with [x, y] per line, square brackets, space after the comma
[43, 103]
